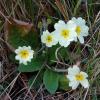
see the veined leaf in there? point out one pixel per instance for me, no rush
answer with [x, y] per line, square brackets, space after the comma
[50, 80]
[20, 34]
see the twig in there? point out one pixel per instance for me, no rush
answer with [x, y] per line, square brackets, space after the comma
[5, 17]
[26, 87]
[33, 82]
[10, 84]
[86, 94]
[37, 91]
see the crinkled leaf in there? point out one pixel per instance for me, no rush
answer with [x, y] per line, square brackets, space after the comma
[20, 34]
[50, 80]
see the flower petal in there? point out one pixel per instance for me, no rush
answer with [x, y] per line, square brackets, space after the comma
[81, 39]
[84, 74]
[73, 84]
[74, 70]
[85, 83]
[70, 77]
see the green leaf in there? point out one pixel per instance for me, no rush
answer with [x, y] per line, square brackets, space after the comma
[50, 80]
[21, 34]
[32, 66]
[63, 82]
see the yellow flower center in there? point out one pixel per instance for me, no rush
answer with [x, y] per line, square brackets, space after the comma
[24, 54]
[49, 38]
[65, 33]
[79, 77]
[78, 30]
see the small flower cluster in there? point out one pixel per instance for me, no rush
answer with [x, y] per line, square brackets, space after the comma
[65, 33]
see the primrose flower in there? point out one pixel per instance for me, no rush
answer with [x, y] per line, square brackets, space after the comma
[65, 32]
[77, 77]
[49, 39]
[24, 54]
[81, 29]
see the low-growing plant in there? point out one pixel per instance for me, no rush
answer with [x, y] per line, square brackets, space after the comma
[49, 53]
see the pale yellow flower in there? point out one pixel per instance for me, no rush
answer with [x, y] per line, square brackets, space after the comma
[81, 28]
[24, 54]
[77, 77]
[49, 39]
[65, 32]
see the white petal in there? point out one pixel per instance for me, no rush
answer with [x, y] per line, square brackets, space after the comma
[49, 45]
[59, 27]
[24, 48]
[31, 56]
[46, 32]
[29, 48]
[73, 19]
[43, 40]
[85, 30]
[64, 43]
[18, 50]
[25, 63]
[73, 84]
[71, 25]
[73, 35]
[75, 67]
[85, 83]
[84, 74]
[81, 20]
[17, 57]
[75, 39]
[71, 77]
[70, 69]
[81, 39]
[73, 71]
[61, 22]
[55, 38]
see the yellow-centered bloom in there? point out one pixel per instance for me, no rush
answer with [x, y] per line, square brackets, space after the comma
[49, 39]
[65, 32]
[81, 28]
[24, 54]
[77, 77]
[78, 30]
